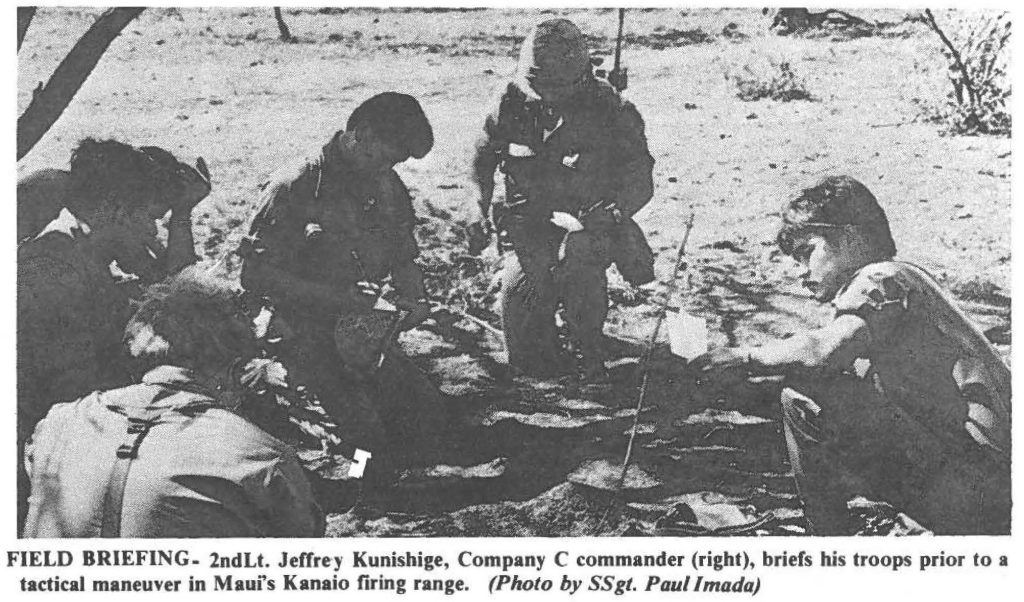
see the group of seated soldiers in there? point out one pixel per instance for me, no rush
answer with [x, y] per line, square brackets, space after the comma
[154, 349]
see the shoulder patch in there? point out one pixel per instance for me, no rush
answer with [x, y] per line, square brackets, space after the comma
[874, 287]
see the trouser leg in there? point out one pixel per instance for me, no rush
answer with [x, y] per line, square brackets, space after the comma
[821, 479]
[632, 254]
[312, 362]
[412, 411]
[583, 287]
[858, 443]
[585, 296]
[528, 305]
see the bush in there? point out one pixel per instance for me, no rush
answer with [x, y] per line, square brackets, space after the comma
[773, 80]
[977, 54]
[454, 278]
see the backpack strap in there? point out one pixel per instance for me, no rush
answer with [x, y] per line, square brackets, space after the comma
[139, 425]
[113, 503]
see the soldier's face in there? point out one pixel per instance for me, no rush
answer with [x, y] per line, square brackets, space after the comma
[374, 154]
[553, 91]
[824, 263]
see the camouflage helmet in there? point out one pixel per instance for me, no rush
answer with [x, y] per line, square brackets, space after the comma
[836, 202]
[554, 56]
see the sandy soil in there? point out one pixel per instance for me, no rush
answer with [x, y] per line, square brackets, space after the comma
[218, 83]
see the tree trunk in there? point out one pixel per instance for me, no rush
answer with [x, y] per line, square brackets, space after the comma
[25, 14]
[50, 100]
[286, 36]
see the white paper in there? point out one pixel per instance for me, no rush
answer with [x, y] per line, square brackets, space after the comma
[566, 221]
[687, 335]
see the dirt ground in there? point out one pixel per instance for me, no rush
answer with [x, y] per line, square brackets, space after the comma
[218, 83]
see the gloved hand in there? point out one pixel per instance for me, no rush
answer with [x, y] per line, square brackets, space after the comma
[417, 312]
[479, 236]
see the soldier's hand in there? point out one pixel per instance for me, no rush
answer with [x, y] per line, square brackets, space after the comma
[722, 367]
[478, 235]
[418, 311]
[720, 359]
[194, 187]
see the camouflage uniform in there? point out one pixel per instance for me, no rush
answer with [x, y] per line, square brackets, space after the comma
[327, 223]
[590, 160]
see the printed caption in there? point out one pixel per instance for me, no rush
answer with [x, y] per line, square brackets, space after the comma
[566, 572]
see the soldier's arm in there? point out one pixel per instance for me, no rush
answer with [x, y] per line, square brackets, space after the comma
[145, 257]
[634, 181]
[181, 245]
[833, 348]
[270, 257]
[406, 275]
[292, 507]
[485, 161]
[407, 278]
[50, 294]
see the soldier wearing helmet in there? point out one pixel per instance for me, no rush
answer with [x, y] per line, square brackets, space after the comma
[565, 142]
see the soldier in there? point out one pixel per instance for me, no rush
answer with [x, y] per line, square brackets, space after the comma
[72, 308]
[566, 142]
[172, 456]
[326, 236]
[928, 429]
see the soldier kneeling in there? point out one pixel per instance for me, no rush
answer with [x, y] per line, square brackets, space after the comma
[928, 429]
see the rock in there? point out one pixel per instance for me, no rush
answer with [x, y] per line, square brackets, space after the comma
[424, 343]
[644, 428]
[580, 404]
[603, 474]
[460, 375]
[551, 421]
[488, 470]
[716, 417]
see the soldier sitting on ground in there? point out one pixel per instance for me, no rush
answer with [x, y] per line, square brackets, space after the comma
[928, 429]
[172, 456]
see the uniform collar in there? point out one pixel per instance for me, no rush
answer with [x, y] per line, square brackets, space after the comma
[67, 224]
[169, 375]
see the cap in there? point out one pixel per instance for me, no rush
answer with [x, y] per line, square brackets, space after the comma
[398, 119]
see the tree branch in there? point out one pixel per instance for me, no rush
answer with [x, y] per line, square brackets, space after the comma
[25, 14]
[958, 61]
[286, 36]
[48, 105]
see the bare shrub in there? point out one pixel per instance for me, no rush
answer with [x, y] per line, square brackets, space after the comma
[977, 51]
[770, 79]
[457, 280]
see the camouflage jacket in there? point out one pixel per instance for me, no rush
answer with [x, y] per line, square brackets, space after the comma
[324, 222]
[595, 150]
